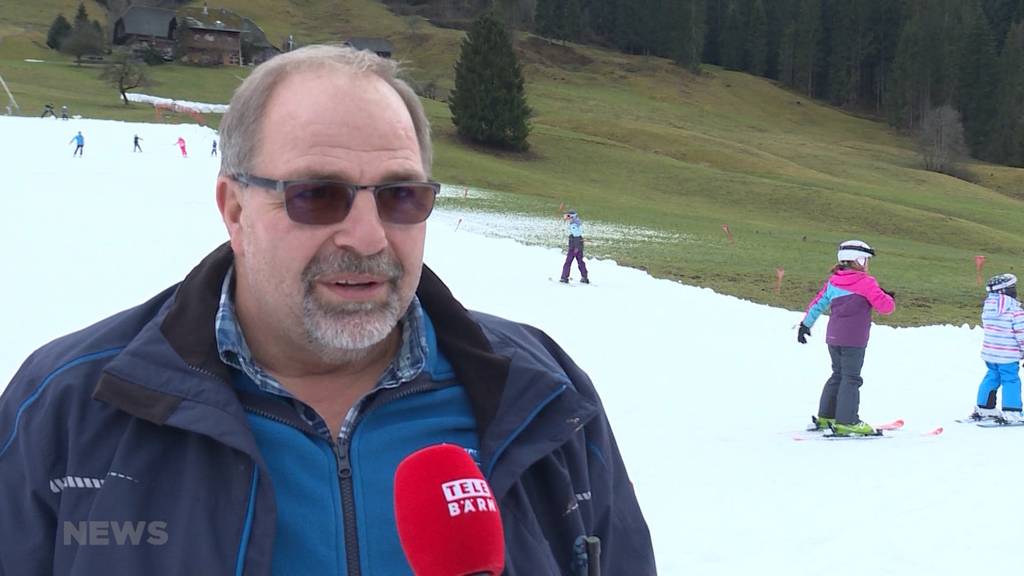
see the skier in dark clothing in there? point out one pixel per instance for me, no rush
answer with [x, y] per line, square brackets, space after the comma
[64, 112]
[575, 248]
[137, 147]
[213, 152]
[48, 111]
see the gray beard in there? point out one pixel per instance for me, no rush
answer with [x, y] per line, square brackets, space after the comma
[346, 332]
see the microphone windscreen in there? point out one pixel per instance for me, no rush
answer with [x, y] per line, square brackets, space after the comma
[447, 519]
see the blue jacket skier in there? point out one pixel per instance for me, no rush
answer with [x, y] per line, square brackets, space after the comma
[1003, 320]
[79, 141]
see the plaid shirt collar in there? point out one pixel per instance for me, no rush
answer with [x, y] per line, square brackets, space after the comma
[407, 364]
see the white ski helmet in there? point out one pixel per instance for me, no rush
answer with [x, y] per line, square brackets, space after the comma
[855, 251]
[1000, 283]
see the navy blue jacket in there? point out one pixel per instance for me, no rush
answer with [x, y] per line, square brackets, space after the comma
[124, 448]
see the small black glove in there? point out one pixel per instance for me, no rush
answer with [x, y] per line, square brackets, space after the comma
[891, 293]
[802, 333]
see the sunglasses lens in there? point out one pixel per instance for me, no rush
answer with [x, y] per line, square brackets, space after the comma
[408, 203]
[317, 202]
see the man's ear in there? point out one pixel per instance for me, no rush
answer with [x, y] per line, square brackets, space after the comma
[229, 202]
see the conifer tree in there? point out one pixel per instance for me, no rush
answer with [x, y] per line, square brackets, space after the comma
[731, 40]
[907, 76]
[86, 36]
[807, 34]
[924, 71]
[601, 16]
[1007, 142]
[545, 19]
[778, 14]
[977, 78]
[886, 22]
[686, 40]
[848, 39]
[756, 47]
[714, 15]
[81, 16]
[787, 55]
[629, 26]
[488, 104]
[1002, 14]
[60, 29]
[572, 22]
[559, 19]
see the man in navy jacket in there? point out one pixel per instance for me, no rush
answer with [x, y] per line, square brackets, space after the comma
[249, 419]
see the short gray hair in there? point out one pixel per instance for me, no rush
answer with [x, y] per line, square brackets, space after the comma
[241, 126]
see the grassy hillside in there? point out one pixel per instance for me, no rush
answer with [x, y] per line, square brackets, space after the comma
[636, 141]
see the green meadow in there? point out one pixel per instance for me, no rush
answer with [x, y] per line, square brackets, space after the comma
[636, 141]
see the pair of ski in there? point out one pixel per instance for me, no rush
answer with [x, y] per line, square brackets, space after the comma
[880, 430]
[572, 282]
[990, 423]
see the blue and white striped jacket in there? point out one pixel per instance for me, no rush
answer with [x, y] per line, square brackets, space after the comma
[1003, 319]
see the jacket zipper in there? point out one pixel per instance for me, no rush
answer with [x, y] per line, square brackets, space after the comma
[345, 482]
[344, 486]
[348, 506]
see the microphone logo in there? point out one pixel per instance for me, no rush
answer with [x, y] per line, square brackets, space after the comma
[467, 496]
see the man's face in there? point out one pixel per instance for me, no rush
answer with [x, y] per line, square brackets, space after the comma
[335, 289]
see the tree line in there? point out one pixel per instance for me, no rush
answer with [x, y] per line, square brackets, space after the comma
[898, 59]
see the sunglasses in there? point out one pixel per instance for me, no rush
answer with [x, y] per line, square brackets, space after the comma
[320, 202]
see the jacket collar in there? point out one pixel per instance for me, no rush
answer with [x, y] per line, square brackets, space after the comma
[172, 374]
[188, 328]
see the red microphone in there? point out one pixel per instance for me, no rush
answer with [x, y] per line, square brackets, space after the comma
[448, 521]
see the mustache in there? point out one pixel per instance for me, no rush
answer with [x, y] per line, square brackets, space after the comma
[347, 261]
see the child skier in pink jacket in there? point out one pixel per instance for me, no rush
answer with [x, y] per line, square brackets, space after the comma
[852, 294]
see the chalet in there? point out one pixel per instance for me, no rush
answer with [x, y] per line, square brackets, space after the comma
[256, 49]
[141, 27]
[208, 42]
[194, 35]
[378, 46]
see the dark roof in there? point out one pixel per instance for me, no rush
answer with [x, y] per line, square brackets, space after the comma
[146, 21]
[214, 25]
[255, 35]
[376, 45]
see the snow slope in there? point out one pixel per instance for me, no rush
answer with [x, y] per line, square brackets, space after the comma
[704, 391]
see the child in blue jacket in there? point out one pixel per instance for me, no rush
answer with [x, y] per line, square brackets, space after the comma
[1003, 319]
